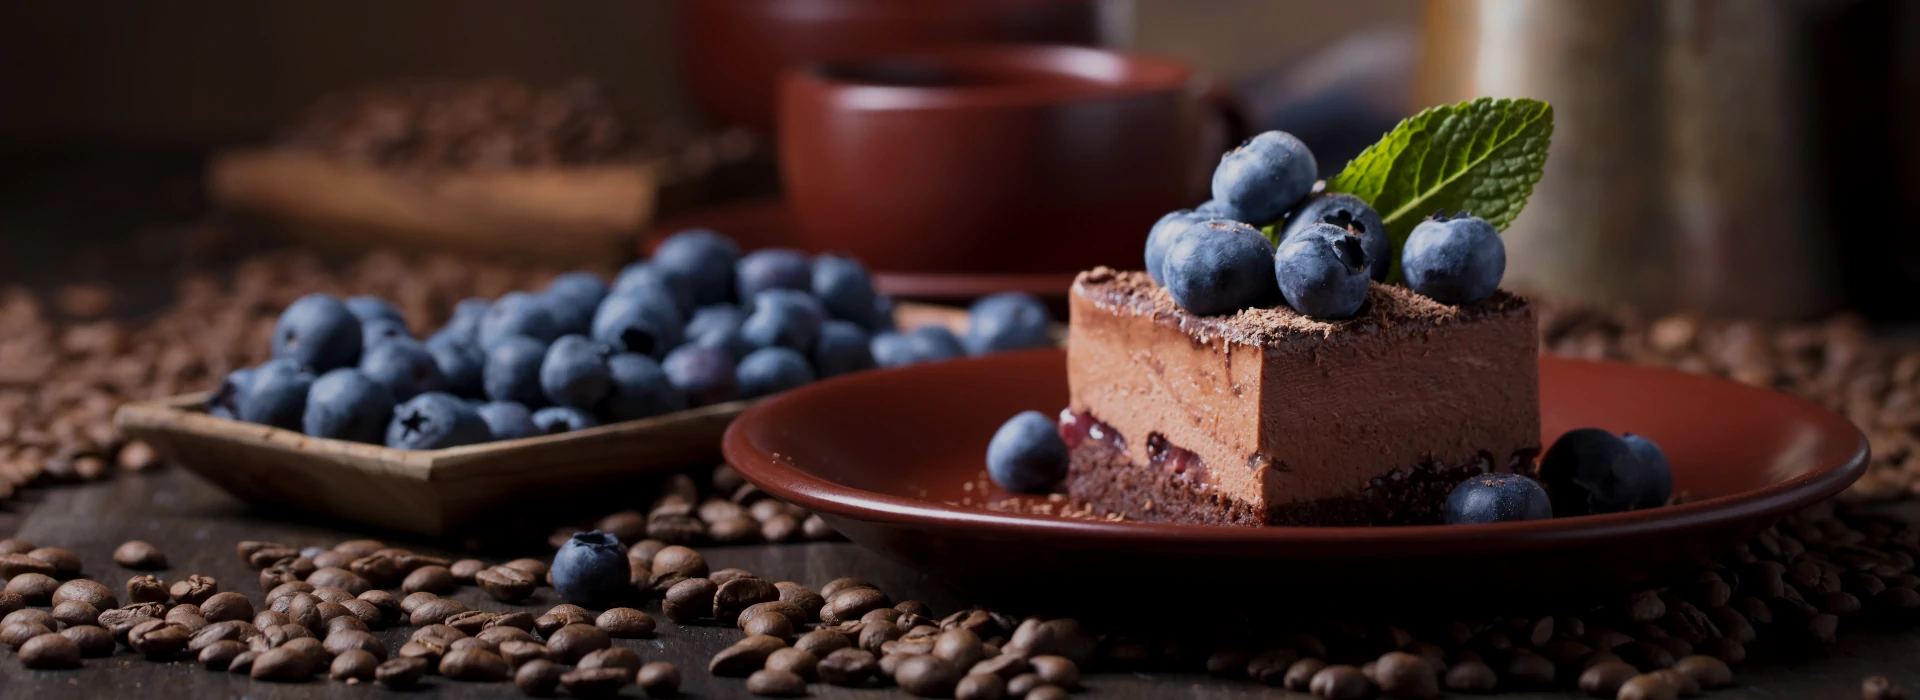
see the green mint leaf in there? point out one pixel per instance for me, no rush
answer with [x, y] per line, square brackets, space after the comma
[1481, 157]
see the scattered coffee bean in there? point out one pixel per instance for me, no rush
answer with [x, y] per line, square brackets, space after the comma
[1300, 675]
[64, 562]
[94, 641]
[851, 603]
[1881, 688]
[980, 686]
[282, 664]
[689, 599]
[774, 683]
[505, 584]
[1605, 679]
[843, 583]
[49, 651]
[1341, 682]
[1023, 685]
[33, 588]
[572, 642]
[435, 611]
[140, 554]
[625, 623]
[342, 641]
[158, 639]
[737, 594]
[465, 569]
[1526, 669]
[356, 665]
[400, 673]
[817, 529]
[91, 592]
[265, 619]
[1471, 677]
[432, 579]
[1270, 666]
[12, 565]
[659, 679]
[243, 664]
[1707, 671]
[147, 589]
[471, 664]
[537, 677]
[1056, 670]
[612, 657]
[589, 683]
[678, 561]
[1682, 683]
[744, 657]
[1649, 687]
[927, 676]
[340, 578]
[218, 654]
[1047, 692]
[822, 642]
[194, 589]
[74, 613]
[429, 650]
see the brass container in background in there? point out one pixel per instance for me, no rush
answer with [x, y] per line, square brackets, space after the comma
[1681, 175]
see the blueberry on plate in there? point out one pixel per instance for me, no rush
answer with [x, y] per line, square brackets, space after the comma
[892, 349]
[572, 310]
[345, 404]
[224, 402]
[318, 333]
[507, 420]
[554, 420]
[1497, 498]
[639, 389]
[843, 347]
[1007, 321]
[465, 322]
[1162, 235]
[1457, 260]
[1350, 213]
[1590, 470]
[435, 420]
[1322, 271]
[703, 375]
[703, 259]
[772, 370]
[718, 326]
[846, 290]
[1264, 177]
[512, 371]
[591, 568]
[638, 321]
[1026, 454]
[1220, 267]
[935, 343]
[653, 279]
[771, 268]
[783, 318]
[1659, 482]
[461, 364]
[405, 367]
[574, 372]
[276, 395]
[517, 313]
[368, 308]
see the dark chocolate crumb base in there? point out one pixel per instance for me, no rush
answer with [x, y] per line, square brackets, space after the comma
[1108, 482]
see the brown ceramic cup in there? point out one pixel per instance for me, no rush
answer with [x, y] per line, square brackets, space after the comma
[1003, 159]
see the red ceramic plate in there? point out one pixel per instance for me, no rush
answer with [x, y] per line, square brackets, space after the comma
[895, 460]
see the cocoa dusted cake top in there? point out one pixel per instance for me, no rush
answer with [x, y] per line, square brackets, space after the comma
[1387, 306]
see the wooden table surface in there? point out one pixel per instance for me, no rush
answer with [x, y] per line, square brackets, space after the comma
[197, 526]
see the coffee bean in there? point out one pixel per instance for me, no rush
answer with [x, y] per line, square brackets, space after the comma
[626, 526]
[232, 630]
[435, 612]
[10, 602]
[736, 595]
[537, 677]
[592, 683]
[147, 589]
[389, 607]
[815, 528]
[1270, 666]
[282, 664]
[1707, 671]
[265, 619]
[802, 597]
[286, 591]
[139, 554]
[1300, 674]
[521, 651]
[1881, 688]
[74, 613]
[473, 665]
[64, 562]
[354, 583]
[927, 676]
[1644, 655]
[400, 673]
[612, 657]
[572, 642]
[875, 635]
[1056, 670]
[1071, 640]
[505, 584]
[33, 588]
[243, 664]
[379, 569]
[851, 603]
[963, 648]
[94, 641]
[443, 632]
[1648, 687]
[744, 657]
[722, 576]
[345, 640]
[158, 639]
[353, 665]
[675, 529]
[1024, 684]
[428, 650]
[12, 565]
[533, 568]
[676, 560]
[1341, 682]
[49, 651]
[432, 579]
[780, 528]
[217, 655]
[776, 683]
[334, 559]
[771, 624]
[14, 545]
[843, 583]
[1005, 666]
[1605, 679]
[1529, 670]
[194, 589]
[689, 600]
[822, 642]
[91, 592]
[464, 570]
[659, 679]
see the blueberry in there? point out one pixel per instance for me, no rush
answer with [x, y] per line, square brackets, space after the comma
[772, 370]
[381, 330]
[574, 372]
[1347, 212]
[703, 375]
[465, 322]
[1007, 321]
[718, 326]
[224, 400]
[1497, 498]
[703, 259]
[1659, 473]
[1592, 471]
[276, 395]
[771, 268]
[1264, 177]
[843, 347]
[591, 569]
[638, 321]
[935, 343]
[893, 349]
[845, 289]
[882, 313]
[1027, 454]
[405, 367]
[517, 313]
[1454, 261]
[318, 333]
[1162, 235]
[1322, 271]
[435, 420]
[507, 420]
[783, 318]
[512, 371]
[461, 364]
[1220, 267]
[368, 308]
[345, 404]
[554, 420]
[1214, 209]
[639, 389]
[642, 276]
[571, 300]
[578, 284]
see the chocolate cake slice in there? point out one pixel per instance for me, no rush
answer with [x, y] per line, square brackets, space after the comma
[1266, 416]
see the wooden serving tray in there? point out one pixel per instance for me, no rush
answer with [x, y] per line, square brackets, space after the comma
[431, 492]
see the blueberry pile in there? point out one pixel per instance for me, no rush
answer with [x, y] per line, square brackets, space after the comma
[1587, 471]
[1213, 259]
[698, 324]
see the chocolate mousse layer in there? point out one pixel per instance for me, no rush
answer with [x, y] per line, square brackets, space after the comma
[1298, 420]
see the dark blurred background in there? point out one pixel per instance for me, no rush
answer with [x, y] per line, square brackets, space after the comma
[1728, 156]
